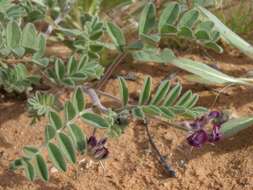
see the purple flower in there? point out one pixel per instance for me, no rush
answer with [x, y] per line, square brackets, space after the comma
[97, 149]
[198, 138]
[199, 123]
[215, 135]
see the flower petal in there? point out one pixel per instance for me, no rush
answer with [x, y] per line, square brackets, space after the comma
[198, 138]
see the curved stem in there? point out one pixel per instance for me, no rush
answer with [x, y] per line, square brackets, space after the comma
[161, 158]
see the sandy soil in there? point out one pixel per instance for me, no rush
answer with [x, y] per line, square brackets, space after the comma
[228, 165]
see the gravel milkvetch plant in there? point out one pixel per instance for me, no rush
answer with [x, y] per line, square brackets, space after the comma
[25, 67]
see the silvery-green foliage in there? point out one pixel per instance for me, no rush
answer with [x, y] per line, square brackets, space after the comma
[41, 104]
[87, 39]
[16, 40]
[64, 138]
[75, 72]
[166, 103]
[16, 78]
[188, 24]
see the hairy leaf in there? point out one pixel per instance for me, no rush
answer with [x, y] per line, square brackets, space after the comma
[161, 92]
[173, 95]
[30, 151]
[13, 35]
[29, 36]
[78, 137]
[116, 35]
[66, 147]
[147, 19]
[169, 15]
[41, 167]
[69, 111]
[189, 18]
[50, 133]
[56, 157]
[95, 120]
[123, 90]
[29, 170]
[78, 100]
[146, 91]
[55, 120]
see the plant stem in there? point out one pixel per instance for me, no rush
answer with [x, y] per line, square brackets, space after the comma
[95, 99]
[110, 70]
[161, 158]
[61, 17]
[108, 95]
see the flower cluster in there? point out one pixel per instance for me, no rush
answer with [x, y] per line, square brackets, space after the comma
[97, 149]
[199, 136]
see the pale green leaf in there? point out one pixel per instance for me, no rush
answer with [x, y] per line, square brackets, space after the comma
[123, 90]
[95, 120]
[41, 167]
[146, 91]
[66, 147]
[55, 155]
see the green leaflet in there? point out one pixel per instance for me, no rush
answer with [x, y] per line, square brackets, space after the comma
[69, 111]
[123, 90]
[50, 133]
[173, 95]
[30, 151]
[183, 100]
[151, 110]
[72, 66]
[167, 113]
[202, 35]
[185, 32]
[56, 157]
[161, 92]
[41, 167]
[146, 91]
[59, 69]
[29, 170]
[234, 126]
[191, 102]
[214, 46]
[66, 147]
[78, 137]
[189, 18]
[116, 35]
[78, 100]
[147, 18]
[29, 36]
[95, 120]
[55, 120]
[206, 26]
[169, 15]
[13, 35]
[168, 29]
